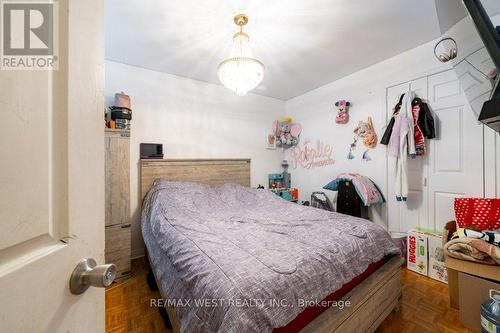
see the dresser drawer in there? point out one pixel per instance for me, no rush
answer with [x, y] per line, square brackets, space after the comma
[118, 247]
[117, 172]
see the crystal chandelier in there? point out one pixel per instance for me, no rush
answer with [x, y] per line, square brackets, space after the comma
[241, 72]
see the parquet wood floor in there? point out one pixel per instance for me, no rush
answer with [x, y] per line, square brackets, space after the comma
[425, 306]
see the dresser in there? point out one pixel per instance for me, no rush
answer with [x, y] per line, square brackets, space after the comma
[117, 206]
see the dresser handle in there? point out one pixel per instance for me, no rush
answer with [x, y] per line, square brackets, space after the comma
[125, 226]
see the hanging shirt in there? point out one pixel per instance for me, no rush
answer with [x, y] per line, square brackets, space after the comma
[417, 132]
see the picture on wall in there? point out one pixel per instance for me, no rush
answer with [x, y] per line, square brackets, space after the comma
[271, 141]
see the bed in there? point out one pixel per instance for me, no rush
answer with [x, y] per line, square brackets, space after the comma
[229, 258]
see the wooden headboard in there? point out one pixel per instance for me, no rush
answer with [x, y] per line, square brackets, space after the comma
[205, 171]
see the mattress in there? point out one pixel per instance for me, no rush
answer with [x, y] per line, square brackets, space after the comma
[235, 259]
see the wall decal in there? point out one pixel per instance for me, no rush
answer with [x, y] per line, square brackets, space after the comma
[366, 157]
[343, 108]
[366, 132]
[310, 156]
[271, 141]
[287, 132]
[352, 148]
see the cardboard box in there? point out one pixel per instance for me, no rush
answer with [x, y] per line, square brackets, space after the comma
[473, 292]
[455, 266]
[491, 272]
[437, 268]
[425, 255]
[417, 252]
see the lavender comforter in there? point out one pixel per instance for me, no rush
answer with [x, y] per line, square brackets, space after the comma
[235, 259]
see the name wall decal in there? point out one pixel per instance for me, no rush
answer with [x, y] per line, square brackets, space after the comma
[309, 156]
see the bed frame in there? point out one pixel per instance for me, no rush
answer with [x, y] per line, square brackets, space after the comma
[371, 301]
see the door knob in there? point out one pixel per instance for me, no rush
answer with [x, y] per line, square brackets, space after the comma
[87, 274]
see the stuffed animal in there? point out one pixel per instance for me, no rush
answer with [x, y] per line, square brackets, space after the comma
[342, 115]
[366, 131]
[287, 133]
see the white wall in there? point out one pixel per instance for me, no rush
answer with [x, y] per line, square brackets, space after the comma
[198, 119]
[366, 90]
[192, 119]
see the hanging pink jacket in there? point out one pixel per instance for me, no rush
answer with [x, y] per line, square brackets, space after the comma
[399, 132]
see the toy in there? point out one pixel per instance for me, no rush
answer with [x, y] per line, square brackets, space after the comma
[275, 180]
[342, 115]
[285, 165]
[366, 131]
[287, 133]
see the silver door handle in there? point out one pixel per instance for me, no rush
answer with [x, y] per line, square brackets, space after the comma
[87, 274]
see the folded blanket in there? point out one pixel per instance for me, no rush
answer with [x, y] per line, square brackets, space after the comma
[472, 249]
[492, 237]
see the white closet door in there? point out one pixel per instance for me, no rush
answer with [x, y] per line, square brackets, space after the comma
[456, 155]
[404, 216]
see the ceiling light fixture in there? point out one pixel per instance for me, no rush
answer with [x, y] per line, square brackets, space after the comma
[241, 72]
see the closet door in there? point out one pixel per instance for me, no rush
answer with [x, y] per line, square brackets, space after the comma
[403, 216]
[456, 155]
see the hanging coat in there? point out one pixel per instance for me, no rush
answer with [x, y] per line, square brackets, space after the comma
[425, 120]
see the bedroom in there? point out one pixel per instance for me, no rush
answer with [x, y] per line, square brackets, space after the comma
[248, 166]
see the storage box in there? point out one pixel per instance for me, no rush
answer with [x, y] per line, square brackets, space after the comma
[437, 268]
[417, 252]
[425, 255]
[455, 266]
[472, 292]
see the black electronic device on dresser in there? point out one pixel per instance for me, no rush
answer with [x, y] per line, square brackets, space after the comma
[349, 202]
[151, 151]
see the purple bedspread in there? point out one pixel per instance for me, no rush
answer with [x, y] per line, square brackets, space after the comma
[235, 259]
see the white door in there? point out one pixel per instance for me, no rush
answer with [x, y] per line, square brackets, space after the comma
[456, 155]
[453, 166]
[403, 216]
[51, 180]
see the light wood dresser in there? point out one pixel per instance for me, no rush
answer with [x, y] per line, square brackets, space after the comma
[117, 175]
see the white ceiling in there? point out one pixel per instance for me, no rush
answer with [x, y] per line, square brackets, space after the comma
[451, 11]
[304, 44]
